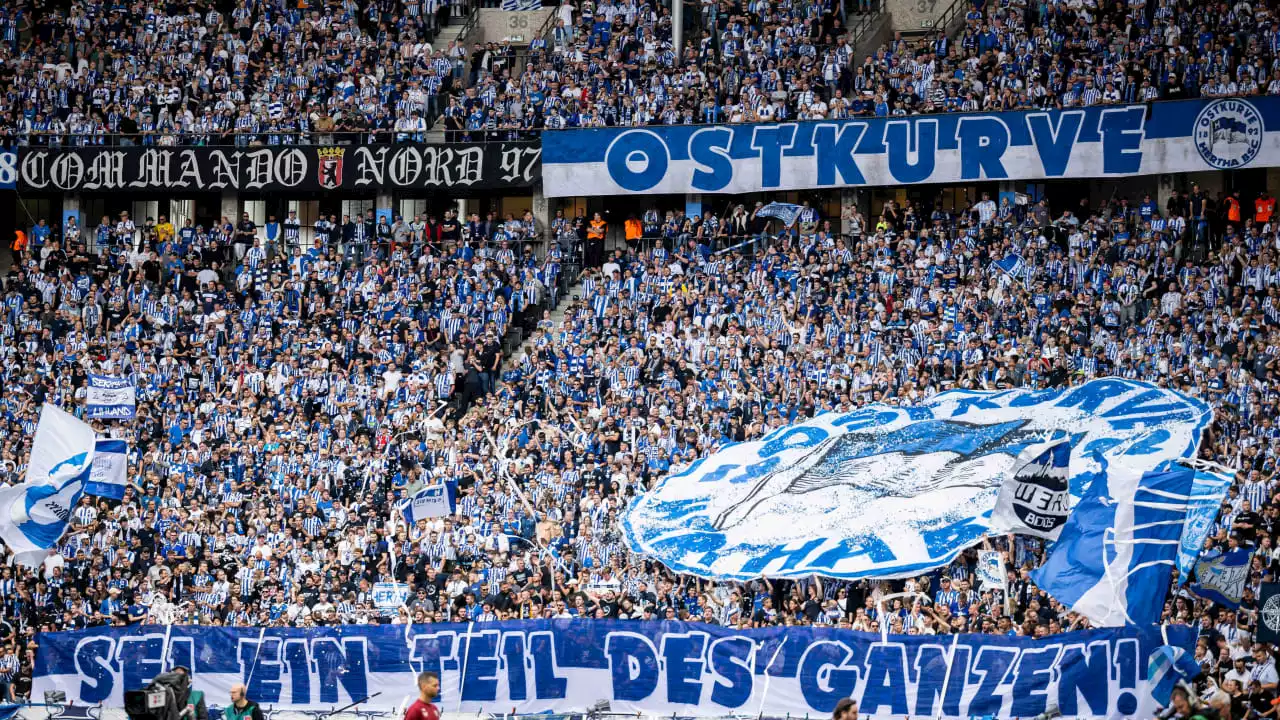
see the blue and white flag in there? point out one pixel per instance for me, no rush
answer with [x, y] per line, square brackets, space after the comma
[1221, 577]
[887, 491]
[1036, 497]
[990, 571]
[1012, 265]
[788, 213]
[109, 476]
[34, 514]
[1113, 561]
[1168, 666]
[110, 398]
[1207, 493]
[431, 502]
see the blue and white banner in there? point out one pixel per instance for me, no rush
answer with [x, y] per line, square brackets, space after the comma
[1108, 141]
[431, 502]
[1221, 577]
[109, 476]
[1115, 557]
[784, 212]
[1207, 494]
[34, 514]
[110, 398]
[686, 669]
[390, 595]
[1012, 265]
[887, 491]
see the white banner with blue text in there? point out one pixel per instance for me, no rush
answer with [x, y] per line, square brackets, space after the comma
[111, 398]
[636, 667]
[1100, 141]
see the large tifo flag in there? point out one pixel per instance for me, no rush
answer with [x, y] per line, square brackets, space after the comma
[430, 502]
[109, 476]
[1115, 557]
[34, 514]
[888, 491]
[111, 398]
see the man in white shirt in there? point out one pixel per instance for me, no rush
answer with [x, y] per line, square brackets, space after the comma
[1264, 669]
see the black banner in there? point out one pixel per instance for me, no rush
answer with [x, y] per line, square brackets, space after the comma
[278, 168]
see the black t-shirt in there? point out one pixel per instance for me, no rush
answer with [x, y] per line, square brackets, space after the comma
[245, 232]
[151, 271]
[488, 356]
[1253, 520]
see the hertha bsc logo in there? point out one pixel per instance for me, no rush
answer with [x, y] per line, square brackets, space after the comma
[330, 170]
[1228, 133]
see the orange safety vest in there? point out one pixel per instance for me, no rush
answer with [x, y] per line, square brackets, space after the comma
[19, 241]
[634, 229]
[1233, 209]
[1263, 209]
[596, 230]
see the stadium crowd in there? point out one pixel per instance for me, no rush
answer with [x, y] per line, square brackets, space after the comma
[290, 397]
[254, 72]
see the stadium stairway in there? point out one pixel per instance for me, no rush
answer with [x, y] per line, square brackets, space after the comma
[515, 358]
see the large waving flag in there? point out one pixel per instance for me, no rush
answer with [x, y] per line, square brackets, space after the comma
[1115, 556]
[108, 478]
[34, 514]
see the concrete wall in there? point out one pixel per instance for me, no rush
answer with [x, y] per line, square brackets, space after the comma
[914, 15]
[518, 25]
[881, 32]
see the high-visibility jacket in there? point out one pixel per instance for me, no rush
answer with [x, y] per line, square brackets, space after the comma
[634, 229]
[19, 241]
[1233, 209]
[1263, 209]
[595, 231]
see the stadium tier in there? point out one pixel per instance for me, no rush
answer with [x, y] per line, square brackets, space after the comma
[743, 358]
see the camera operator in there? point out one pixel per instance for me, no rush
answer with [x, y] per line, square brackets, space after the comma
[196, 709]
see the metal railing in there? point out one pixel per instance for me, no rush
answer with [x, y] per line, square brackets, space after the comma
[948, 15]
[862, 24]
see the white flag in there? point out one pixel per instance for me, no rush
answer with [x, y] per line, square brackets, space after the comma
[34, 514]
[990, 571]
[1035, 498]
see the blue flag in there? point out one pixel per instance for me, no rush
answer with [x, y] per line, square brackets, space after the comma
[1115, 556]
[108, 478]
[1221, 577]
[1207, 493]
[1011, 264]
[786, 212]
